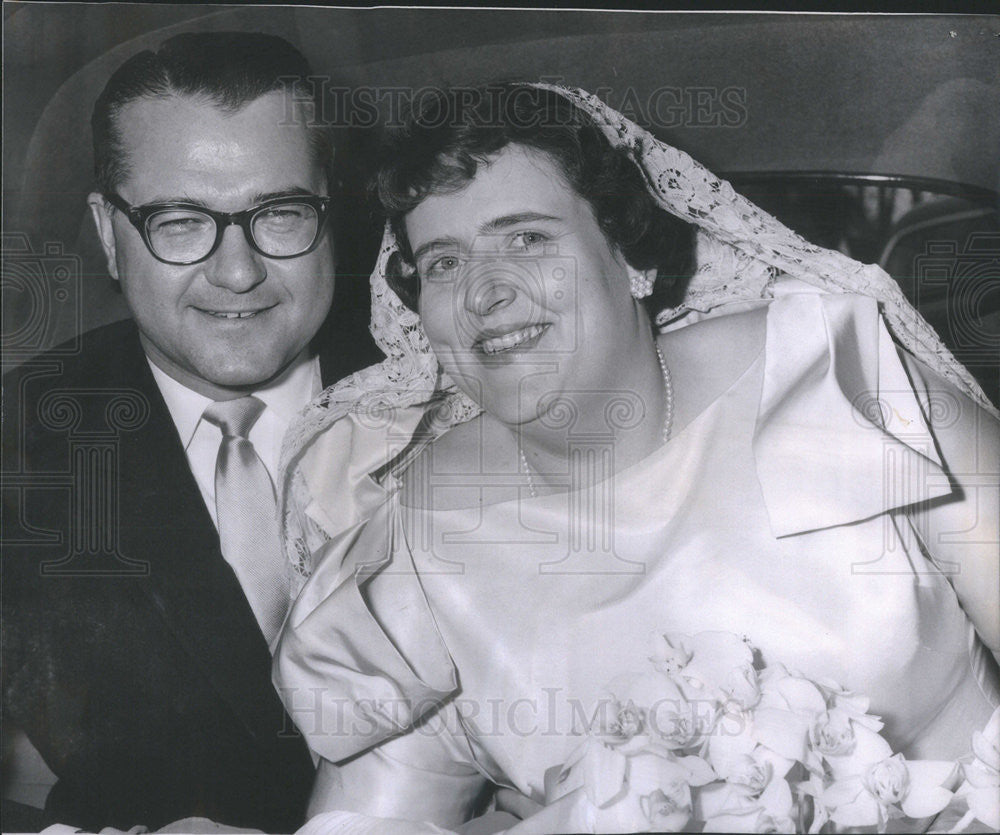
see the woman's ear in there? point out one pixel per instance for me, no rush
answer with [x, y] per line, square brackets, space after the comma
[640, 282]
[101, 213]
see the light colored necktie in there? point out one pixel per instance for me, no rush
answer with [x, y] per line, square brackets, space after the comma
[247, 513]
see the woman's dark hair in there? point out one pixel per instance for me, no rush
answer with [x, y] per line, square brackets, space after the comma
[450, 133]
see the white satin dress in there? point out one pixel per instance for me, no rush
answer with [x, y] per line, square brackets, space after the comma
[776, 514]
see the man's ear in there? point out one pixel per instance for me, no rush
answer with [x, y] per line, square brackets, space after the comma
[101, 213]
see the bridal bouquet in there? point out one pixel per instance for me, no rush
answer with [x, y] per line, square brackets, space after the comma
[710, 740]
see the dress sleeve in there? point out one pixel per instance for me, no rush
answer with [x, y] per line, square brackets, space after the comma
[366, 677]
[425, 775]
[840, 433]
[360, 659]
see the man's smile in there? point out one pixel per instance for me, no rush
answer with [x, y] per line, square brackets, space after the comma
[234, 314]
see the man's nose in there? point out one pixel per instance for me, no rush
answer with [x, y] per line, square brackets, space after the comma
[490, 291]
[235, 265]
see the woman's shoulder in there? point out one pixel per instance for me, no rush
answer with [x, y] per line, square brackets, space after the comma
[717, 346]
[834, 381]
[450, 472]
[706, 357]
[948, 410]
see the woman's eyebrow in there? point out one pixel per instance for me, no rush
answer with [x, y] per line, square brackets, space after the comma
[490, 227]
[502, 222]
[437, 243]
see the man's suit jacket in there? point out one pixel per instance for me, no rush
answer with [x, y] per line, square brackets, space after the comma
[131, 657]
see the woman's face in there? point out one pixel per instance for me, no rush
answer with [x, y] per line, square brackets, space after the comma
[521, 296]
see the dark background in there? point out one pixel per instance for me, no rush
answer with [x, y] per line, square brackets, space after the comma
[914, 96]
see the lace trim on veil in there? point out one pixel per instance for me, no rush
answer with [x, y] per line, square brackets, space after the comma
[740, 251]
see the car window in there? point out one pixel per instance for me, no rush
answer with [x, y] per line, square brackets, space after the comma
[940, 241]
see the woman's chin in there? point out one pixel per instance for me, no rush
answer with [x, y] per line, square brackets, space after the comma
[509, 412]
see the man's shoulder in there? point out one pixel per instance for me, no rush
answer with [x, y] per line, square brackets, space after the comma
[76, 381]
[107, 351]
[108, 357]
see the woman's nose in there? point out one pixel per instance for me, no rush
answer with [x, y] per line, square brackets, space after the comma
[490, 292]
[235, 265]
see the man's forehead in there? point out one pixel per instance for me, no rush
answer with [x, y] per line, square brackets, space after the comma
[189, 142]
[274, 111]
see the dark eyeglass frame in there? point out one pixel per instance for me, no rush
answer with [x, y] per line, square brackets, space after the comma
[139, 217]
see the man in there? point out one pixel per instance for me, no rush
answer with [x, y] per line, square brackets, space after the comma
[142, 587]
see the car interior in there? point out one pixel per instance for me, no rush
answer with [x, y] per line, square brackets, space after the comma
[873, 135]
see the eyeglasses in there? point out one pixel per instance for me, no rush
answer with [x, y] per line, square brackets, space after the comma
[184, 233]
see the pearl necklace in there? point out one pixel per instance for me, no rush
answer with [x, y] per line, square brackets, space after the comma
[668, 418]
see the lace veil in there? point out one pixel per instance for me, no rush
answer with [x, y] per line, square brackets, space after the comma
[740, 251]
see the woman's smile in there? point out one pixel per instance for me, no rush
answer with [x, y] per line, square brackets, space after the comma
[521, 338]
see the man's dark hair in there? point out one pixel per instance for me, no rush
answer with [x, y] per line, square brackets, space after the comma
[229, 69]
[443, 142]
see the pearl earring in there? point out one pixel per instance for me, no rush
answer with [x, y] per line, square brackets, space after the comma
[640, 284]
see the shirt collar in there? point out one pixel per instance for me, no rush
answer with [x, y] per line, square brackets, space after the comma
[286, 395]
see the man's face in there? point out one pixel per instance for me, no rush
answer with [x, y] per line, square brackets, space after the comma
[185, 149]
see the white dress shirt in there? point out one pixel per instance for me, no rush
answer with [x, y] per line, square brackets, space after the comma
[284, 398]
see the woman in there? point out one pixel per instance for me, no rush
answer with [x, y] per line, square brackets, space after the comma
[560, 478]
